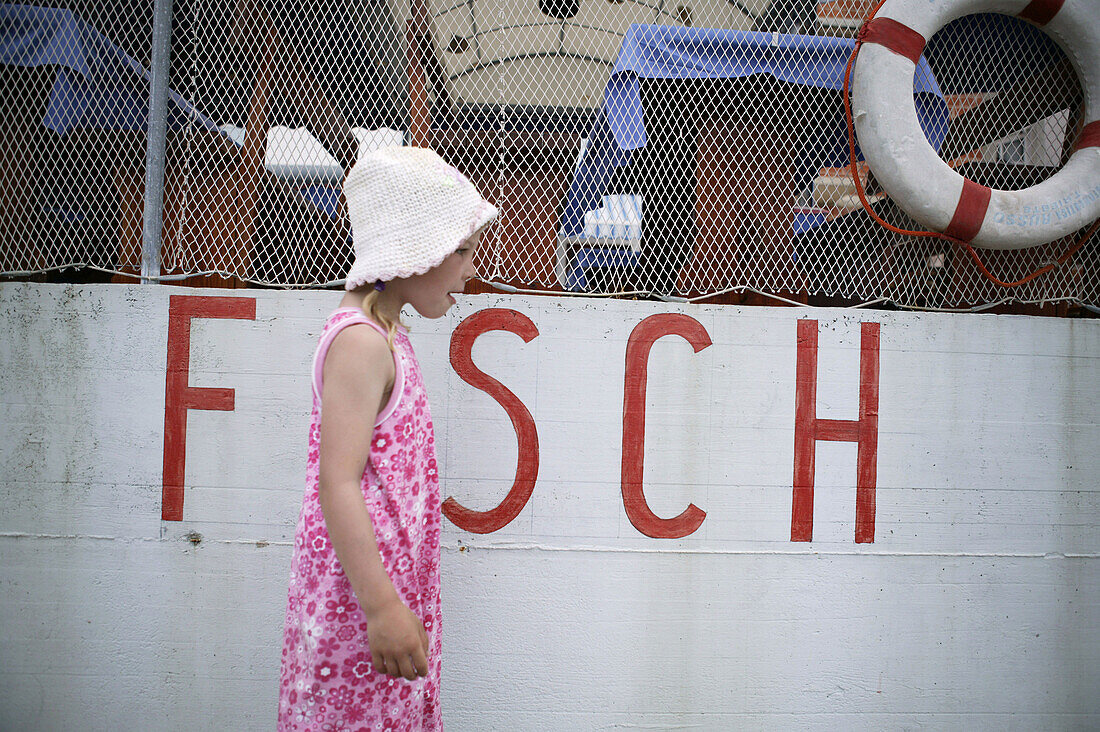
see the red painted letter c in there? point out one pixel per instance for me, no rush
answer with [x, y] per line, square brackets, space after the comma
[643, 337]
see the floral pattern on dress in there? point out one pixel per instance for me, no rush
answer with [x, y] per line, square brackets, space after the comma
[327, 680]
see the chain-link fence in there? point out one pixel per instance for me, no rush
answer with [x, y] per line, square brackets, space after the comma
[680, 148]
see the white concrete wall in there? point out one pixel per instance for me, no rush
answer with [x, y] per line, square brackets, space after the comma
[975, 607]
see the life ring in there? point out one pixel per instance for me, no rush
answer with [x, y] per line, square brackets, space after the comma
[911, 171]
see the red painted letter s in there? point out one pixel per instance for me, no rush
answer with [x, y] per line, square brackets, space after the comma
[527, 461]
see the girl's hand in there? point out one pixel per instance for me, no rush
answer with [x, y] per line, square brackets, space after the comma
[398, 642]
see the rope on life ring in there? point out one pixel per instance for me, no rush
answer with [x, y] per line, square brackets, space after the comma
[910, 170]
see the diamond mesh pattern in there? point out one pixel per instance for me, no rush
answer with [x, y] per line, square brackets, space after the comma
[741, 184]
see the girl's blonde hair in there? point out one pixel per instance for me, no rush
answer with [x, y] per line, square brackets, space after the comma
[370, 309]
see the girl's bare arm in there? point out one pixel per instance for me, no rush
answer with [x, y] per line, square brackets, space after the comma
[357, 370]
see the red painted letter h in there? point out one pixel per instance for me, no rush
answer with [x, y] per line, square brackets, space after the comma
[808, 429]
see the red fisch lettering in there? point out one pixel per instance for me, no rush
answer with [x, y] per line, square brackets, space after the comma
[179, 397]
[527, 439]
[808, 429]
[644, 335]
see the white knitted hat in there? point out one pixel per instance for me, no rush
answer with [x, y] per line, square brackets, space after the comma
[409, 209]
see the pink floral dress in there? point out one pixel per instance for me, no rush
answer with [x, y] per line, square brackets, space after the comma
[327, 680]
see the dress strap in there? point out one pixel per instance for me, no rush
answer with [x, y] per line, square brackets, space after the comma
[322, 351]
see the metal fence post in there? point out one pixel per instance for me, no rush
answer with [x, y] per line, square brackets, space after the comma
[157, 131]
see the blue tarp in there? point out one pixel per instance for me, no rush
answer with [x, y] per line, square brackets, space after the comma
[97, 85]
[672, 52]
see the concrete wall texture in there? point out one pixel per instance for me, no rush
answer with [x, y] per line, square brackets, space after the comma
[663, 516]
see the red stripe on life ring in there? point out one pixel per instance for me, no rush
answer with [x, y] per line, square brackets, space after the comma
[970, 211]
[1041, 12]
[898, 37]
[1090, 136]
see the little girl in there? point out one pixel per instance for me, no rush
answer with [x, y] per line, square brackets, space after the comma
[362, 640]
